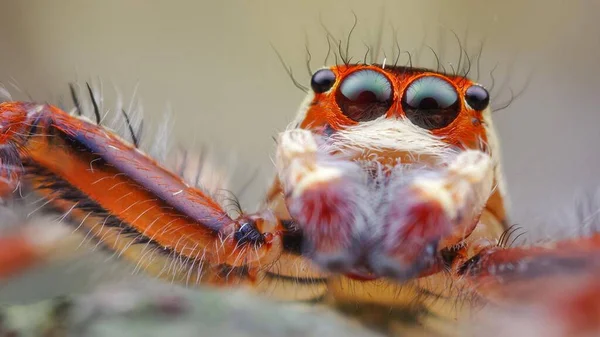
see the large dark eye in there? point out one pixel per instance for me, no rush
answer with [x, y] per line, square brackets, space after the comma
[477, 97]
[365, 95]
[322, 80]
[431, 102]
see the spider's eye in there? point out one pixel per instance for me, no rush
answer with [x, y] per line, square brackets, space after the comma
[431, 102]
[365, 95]
[322, 81]
[477, 97]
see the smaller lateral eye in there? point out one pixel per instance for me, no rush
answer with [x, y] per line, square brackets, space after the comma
[431, 102]
[477, 97]
[322, 81]
[365, 95]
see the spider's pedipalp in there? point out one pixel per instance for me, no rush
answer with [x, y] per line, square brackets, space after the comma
[356, 217]
[325, 195]
[433, 211]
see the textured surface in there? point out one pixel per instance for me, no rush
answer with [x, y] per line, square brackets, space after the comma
[155, 310]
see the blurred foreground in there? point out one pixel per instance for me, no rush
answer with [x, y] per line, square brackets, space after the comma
[131, 310]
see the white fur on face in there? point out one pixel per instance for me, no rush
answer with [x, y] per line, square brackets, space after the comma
[389, 134]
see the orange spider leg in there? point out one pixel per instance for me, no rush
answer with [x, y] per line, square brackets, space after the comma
[17, 254]
[518, 274]
[552, 288]
[129, 203]
[27, 244]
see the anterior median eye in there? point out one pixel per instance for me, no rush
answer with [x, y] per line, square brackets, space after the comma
[431, 102]
[365, 95]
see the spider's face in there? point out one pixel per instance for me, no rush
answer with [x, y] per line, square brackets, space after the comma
[392, 111]
[385, 118]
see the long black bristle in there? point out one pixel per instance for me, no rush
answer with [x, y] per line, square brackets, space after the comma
[130, 127]
[94, 103]
[75, 98]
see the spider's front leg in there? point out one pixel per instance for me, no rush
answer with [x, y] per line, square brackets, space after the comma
[126, 202]
[522, 274]
[368, 221]
[548, 289]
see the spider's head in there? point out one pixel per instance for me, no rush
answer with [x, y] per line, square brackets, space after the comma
[397, 110]
[389, 116]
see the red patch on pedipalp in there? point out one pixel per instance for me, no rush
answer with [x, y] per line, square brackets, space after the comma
[326, 214]
[419, 223]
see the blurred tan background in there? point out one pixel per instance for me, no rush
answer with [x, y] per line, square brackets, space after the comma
[213, 64]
